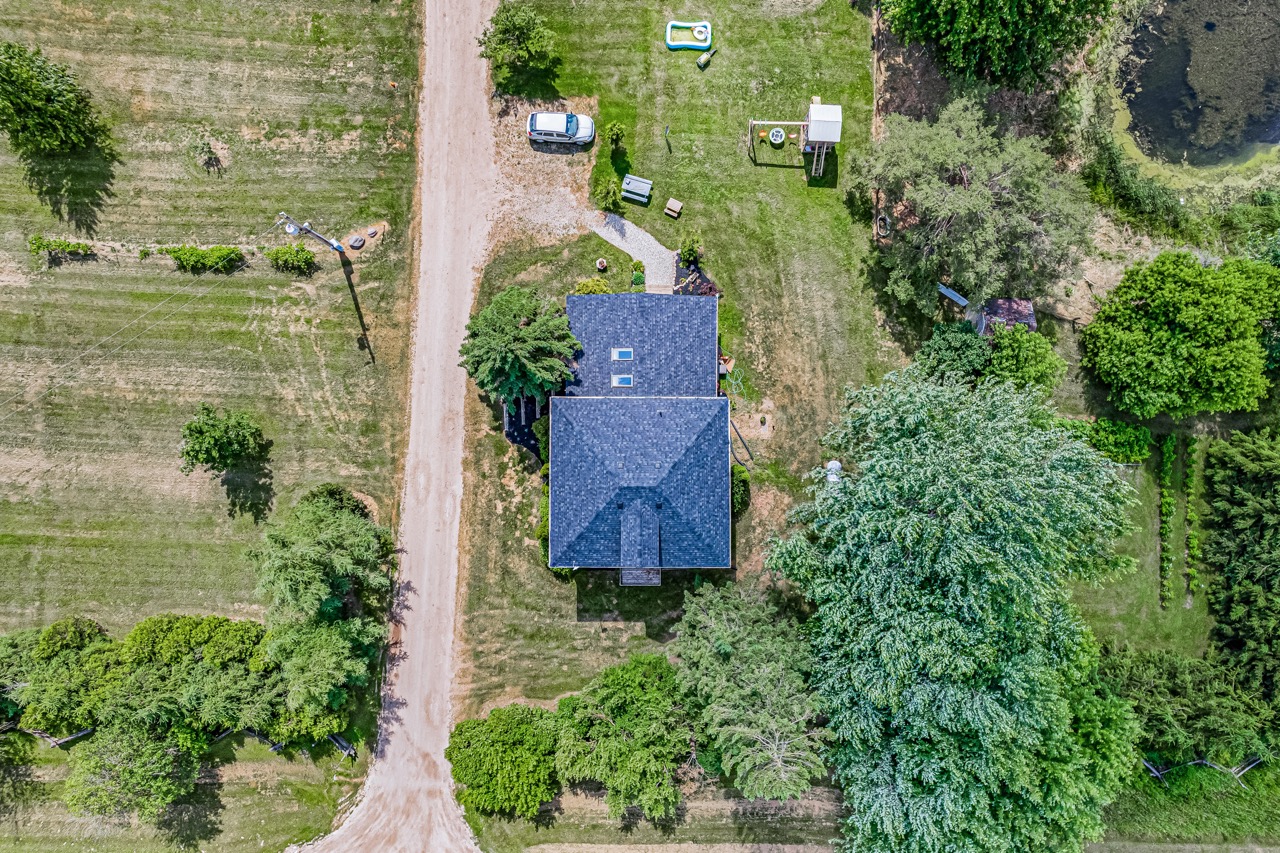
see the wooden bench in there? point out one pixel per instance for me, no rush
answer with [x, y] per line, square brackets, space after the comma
[636, 189]
[673, 208]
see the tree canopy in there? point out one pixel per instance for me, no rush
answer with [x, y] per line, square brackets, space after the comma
[154, 699]
[743, 668]
[505, 763]
[955, 350]
[1181, 338]
[1006, 41]
[960, 682]
[43, 109]
[1242, 488]
[124, 769]
[987, 215]
[628, 731]
[1188, 708]
[325, 570]
[519, 346]
[516, 38]
[218, 440]
[1025, 358]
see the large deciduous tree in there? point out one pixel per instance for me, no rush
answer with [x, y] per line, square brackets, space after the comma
[516, 39]
[1011, 41]
[960, 681]
[744, 667]
[506, 762]
[43, 109]
[628, 730]
[125, 768]
[987, 215]
[326, 573]
[519, 346]
[1181, 338]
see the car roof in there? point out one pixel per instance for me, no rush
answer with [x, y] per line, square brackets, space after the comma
[557, 122]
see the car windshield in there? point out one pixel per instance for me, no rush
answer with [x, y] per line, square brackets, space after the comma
[571, 125]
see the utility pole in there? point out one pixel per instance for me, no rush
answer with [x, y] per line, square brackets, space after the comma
[293, 229]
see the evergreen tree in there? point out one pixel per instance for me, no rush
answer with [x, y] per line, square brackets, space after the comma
[1188, 708]
[960, 681]
[1242, 487]
[519, 346]
[985, 214]
[955, 350]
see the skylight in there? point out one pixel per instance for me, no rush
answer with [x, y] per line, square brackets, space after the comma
[622, 380]
[623, 354]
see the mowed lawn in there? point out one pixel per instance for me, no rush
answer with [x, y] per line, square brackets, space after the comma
[102, 361]
[798, 314]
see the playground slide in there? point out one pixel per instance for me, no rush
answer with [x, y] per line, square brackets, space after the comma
[687, 35]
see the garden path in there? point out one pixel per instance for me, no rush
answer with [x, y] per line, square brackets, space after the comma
[659, 261]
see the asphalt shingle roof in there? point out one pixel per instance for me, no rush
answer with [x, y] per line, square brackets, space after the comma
[640, 482]
[672, 338]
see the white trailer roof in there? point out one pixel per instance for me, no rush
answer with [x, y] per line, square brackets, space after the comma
[824, 122]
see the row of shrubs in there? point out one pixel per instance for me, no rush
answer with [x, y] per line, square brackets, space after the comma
[58, 249]
[292, 258]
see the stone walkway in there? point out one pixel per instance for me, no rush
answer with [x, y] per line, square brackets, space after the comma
[659, 261]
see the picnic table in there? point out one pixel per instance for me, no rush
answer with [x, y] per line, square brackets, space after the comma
[636, 189]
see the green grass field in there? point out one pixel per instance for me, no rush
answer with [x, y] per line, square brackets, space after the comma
[102, 361]
[95, 516]
[1127, 609]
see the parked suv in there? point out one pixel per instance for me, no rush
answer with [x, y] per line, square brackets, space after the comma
[561, 127]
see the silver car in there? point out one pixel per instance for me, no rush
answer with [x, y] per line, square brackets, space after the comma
[561, 127]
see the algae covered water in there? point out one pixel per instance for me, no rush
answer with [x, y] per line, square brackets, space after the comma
[1203, 81]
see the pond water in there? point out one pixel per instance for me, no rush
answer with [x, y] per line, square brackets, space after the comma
[1203, 82]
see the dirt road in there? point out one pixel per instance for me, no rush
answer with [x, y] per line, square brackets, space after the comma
[407, 802]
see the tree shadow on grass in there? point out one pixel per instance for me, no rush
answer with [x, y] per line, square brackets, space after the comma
[18, 785]
[621, 161]
[195, 818]
[250, 488]
[74, 186]
[601, 599]
[905, 322]
[537, 84]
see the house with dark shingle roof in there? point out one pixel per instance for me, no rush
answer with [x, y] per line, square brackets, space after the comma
[640, 441]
